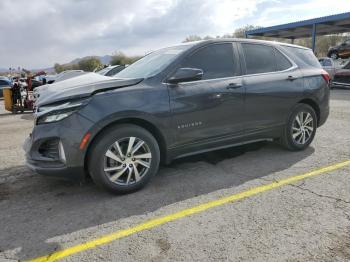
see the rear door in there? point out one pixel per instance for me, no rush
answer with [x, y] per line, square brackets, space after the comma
[272, 83]
[211, 108]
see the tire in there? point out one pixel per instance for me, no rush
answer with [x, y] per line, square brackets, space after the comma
[107, 160]
[290, 138]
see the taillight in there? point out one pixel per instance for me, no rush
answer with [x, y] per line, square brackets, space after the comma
[326, 76]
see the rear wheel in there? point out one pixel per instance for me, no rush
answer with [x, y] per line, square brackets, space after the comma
[300, 129]
[124, 158]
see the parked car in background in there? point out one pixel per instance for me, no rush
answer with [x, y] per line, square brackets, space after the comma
[328, 65]
[342, 76]
[340, 51]
[36, 83]
[65, 75]
[4, 82]
[111, 70]
[174, 102]
[48, 78]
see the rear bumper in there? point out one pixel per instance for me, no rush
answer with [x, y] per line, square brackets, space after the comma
[323, 116]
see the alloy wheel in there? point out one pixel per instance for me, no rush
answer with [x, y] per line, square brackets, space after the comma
[303, 128]
[127, 161]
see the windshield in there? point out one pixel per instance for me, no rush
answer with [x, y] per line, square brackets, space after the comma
[152, 63]
[347, 66]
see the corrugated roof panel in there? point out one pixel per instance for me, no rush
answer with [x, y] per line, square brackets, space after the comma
[338, 23]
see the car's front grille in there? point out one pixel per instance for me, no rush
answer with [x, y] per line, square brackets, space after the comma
[49, 149]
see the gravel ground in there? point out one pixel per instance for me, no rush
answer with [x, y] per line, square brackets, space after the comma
[306, 221]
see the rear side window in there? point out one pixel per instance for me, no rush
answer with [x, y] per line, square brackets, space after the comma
[216, 61]
[282, 63]
[259, 58]
[303, 57]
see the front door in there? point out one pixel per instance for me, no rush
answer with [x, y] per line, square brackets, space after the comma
[212, 108]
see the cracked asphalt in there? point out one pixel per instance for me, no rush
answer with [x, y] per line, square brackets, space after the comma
[304, 221]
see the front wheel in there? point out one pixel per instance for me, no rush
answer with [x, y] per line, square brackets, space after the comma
[300, 129]
[124, 158]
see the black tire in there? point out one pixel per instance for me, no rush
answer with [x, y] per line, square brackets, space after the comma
[287, 139]
[97, 158]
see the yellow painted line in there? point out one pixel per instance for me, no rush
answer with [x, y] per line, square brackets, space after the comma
[184, 213]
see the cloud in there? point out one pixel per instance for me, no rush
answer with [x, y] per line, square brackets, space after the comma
[38, 33]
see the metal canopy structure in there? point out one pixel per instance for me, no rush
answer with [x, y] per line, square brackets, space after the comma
[326, 25]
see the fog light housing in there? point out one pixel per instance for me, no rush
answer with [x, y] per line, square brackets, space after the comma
[61, 153]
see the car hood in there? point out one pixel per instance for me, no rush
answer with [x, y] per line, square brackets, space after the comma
[79, 87]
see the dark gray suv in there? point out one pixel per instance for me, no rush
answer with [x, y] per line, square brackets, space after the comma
[175, 102]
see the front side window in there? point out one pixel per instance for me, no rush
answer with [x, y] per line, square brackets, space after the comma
[216, 61]
[259, 58]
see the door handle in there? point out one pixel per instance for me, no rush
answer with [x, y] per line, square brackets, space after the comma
[233, 86]
[291, 78]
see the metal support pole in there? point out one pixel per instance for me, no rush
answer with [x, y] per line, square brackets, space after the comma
[313, 37]
[292, 40]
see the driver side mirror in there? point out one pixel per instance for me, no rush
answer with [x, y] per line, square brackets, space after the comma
[186, 75]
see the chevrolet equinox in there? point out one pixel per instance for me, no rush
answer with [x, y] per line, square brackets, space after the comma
[174, 102]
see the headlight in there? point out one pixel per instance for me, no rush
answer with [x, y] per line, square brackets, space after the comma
[54, 113]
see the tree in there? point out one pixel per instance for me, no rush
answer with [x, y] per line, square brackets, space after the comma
[192, 38]
[120, 58]
[58, 68]
[208, 37]
[89, 64]
[240, 32]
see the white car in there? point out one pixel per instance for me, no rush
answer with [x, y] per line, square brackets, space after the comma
[111, 70]
[65, 75]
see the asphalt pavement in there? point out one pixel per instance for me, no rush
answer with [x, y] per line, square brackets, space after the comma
[308, 220]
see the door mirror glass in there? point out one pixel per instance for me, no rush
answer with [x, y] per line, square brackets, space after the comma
[186, 75]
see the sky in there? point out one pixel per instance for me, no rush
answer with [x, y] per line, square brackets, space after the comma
[39, 33]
